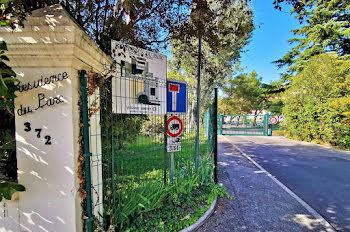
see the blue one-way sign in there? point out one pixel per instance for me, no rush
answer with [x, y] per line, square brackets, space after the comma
[176, 96]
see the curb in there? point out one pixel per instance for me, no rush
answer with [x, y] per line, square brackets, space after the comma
[202, 219]
[328, 227]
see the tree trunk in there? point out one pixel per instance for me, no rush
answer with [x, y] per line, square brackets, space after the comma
[256, 112]
[238, 120]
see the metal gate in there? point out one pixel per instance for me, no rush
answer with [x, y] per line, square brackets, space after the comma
[244, 125]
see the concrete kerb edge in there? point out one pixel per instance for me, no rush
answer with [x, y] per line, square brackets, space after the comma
[202, 219]
[328, 227]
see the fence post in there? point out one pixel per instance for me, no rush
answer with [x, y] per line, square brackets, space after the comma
[165, 145]
[198, 101]
[219, 126]
[87, 153]
[215, 131]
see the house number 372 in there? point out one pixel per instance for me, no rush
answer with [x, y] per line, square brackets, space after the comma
[28, 128]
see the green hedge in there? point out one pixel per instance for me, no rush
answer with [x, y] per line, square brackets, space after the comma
[317, 104]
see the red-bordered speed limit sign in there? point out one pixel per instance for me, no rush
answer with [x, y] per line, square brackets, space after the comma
[273, 120]
[174, 126]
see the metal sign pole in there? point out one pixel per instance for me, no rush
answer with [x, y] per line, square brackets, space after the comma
[172, 167]
[165, 147]
[198, 100]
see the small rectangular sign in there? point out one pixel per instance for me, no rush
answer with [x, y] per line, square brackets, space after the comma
[173, 144]
[174, 140]
[176, 96]
[173, 148]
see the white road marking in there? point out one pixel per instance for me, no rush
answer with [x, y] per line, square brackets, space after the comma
[327, 225]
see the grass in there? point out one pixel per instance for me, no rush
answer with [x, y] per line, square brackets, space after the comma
[144, 160]
[135, 197]
[155, 207]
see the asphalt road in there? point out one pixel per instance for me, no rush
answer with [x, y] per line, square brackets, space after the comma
[319, 175]
[259, 204]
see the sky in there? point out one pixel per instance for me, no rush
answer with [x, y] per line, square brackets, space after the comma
[269, 40]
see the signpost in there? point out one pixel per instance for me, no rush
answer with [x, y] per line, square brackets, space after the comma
[176, 103]
[176, 96]
[273, 120]
[174, 130]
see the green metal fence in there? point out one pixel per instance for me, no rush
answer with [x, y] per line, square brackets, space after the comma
[128, 151]
[243, 124]
[257, 125]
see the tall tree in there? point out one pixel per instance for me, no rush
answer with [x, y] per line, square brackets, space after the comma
[223, 43]
[244, 93]
[150, 25]
[326, 28]
[317, 104]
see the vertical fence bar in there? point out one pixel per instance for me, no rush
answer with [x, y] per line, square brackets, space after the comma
[215, 130]
[198, 100]
[87, 154]
[165, 145]
[220, 130]
[268, 125]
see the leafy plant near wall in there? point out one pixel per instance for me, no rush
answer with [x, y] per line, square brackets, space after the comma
[7, 140]
[8, 164]
[7, 189]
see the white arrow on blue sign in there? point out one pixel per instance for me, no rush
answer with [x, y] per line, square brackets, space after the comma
[176, 96]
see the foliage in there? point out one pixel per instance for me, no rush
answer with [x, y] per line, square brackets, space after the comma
[223, 42]
[298, 5]
[148, 23]
[7, 88]
[221, 24]
[7, 80]
[7, 141]
[242, 95]
[273, 97]
[8, 164]
[11, 10]
[150, 26]
[153, 126]
[173, 207]
[245, 94]
[117, 129]
[317, 104]
[326, 29]
[7, 189]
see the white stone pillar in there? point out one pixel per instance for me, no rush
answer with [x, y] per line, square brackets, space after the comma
[47, 55]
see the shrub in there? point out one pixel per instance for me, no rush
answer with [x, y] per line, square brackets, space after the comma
[317, 104]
